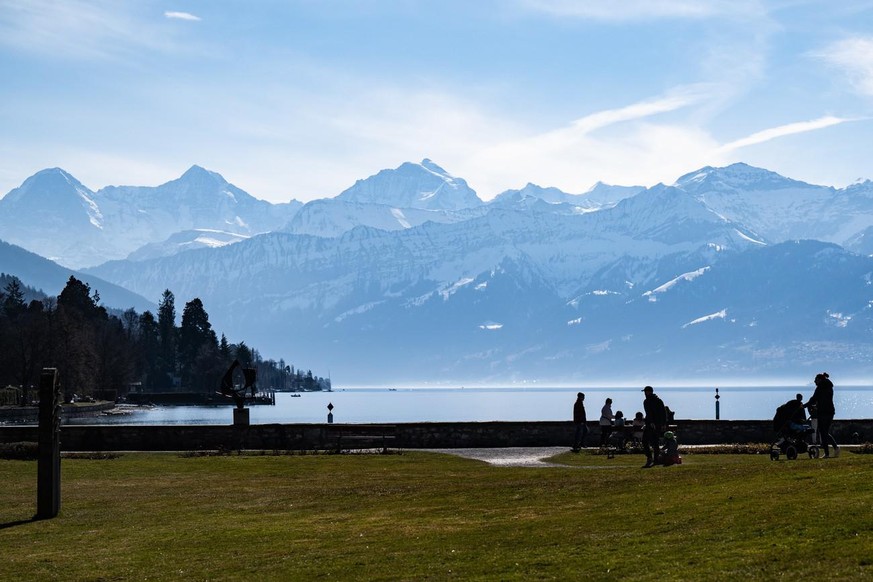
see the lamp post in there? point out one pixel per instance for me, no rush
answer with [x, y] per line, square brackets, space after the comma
[716, 404]
[329, 413]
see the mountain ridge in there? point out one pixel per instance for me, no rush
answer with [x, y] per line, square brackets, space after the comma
[719, 273]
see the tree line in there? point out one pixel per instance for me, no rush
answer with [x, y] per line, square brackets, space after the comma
[100, 353]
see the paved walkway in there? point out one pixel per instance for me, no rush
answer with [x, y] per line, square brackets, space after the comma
[510, 456]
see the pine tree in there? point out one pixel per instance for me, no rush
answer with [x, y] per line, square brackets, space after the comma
[198, 347]
[168, 337]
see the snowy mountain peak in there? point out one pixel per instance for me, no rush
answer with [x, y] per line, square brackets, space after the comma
[533, 192]
[429, 165]
[50, 187]
[53, 182]
[424, 185]
[734, 177]
[197, 175]
[44, 198]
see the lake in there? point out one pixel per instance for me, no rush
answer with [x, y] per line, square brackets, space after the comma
[487, 404]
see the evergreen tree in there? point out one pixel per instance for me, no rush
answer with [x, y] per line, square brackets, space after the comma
[76, 339]
[224, 350]
[149, 344]
[13, 299]
[243, 354]
[168, 337]
[198, 346]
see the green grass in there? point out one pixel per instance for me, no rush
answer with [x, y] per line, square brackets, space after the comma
[420, 516]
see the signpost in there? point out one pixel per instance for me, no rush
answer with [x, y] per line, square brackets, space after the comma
[716, 404]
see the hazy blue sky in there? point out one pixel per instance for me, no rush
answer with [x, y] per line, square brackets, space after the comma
[298, 98]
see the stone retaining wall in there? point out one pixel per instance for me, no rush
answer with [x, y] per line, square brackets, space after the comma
[408, 435]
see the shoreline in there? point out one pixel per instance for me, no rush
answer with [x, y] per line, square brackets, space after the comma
[24, 414]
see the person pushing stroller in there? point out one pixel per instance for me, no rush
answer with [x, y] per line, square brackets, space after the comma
[793, 431]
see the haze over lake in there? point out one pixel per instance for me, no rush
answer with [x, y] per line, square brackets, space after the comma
[493, 404]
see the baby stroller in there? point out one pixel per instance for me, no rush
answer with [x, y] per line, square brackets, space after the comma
[793, 437]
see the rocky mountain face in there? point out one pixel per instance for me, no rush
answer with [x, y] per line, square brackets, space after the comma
[425, 186]
[406, 277]
[778, 208]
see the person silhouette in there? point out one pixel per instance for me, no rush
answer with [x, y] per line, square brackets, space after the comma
[581, 422]
[656, 424]
[605, 422]
[823, 400]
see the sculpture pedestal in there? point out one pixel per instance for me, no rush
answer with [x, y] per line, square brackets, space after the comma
[240, 416]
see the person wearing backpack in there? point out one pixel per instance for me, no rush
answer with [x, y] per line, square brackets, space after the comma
[656, 424]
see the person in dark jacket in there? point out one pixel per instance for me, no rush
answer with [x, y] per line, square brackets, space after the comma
[656, 424]
[797, 420]
[823, 400]
[581, 422]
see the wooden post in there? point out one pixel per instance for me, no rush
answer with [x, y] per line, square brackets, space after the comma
[48, 495]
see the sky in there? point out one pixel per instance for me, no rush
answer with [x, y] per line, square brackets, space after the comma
[297, 99]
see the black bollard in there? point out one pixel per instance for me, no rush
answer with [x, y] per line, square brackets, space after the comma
[48, 481]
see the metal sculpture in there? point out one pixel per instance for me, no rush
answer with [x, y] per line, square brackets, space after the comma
[239, 394]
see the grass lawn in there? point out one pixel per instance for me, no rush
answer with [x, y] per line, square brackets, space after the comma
[416, 516]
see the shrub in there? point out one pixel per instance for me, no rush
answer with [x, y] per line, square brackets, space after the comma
[23, 451]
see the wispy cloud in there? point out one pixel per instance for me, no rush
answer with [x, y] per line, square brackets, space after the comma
[641, 9]
[854, 56]
[784, 130]
[182, 16]
[676, 100]
[82, 29]
[637, 148]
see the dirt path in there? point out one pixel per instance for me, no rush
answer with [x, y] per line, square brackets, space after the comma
[509, 456]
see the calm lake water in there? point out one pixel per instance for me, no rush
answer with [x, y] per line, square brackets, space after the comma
[484, 404]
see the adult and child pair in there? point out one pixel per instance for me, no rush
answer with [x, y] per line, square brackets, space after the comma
[654, 425]
[794, 430]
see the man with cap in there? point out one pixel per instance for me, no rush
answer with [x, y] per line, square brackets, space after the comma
[656, 423]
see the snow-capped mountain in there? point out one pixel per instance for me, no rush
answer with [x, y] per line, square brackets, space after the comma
[780, 209]
[599, 196]
[54, 215]
[424, 185]
[186, 241]
[331, 217]
[117, 220]
[407, 277]
[420, 289]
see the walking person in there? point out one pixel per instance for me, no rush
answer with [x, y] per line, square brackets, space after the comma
[606, 417]
[823, 400]
[581, 422]
[656, 424]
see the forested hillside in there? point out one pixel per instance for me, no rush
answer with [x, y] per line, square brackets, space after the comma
[101, 354]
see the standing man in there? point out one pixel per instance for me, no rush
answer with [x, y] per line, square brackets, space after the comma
[581, 422]
[656, 424]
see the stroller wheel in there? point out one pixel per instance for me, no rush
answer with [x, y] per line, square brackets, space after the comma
[774, 454]
[813, 452]
[790, 452]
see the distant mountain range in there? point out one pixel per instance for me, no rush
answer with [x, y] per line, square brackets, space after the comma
[54, 215]
[407, 276]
